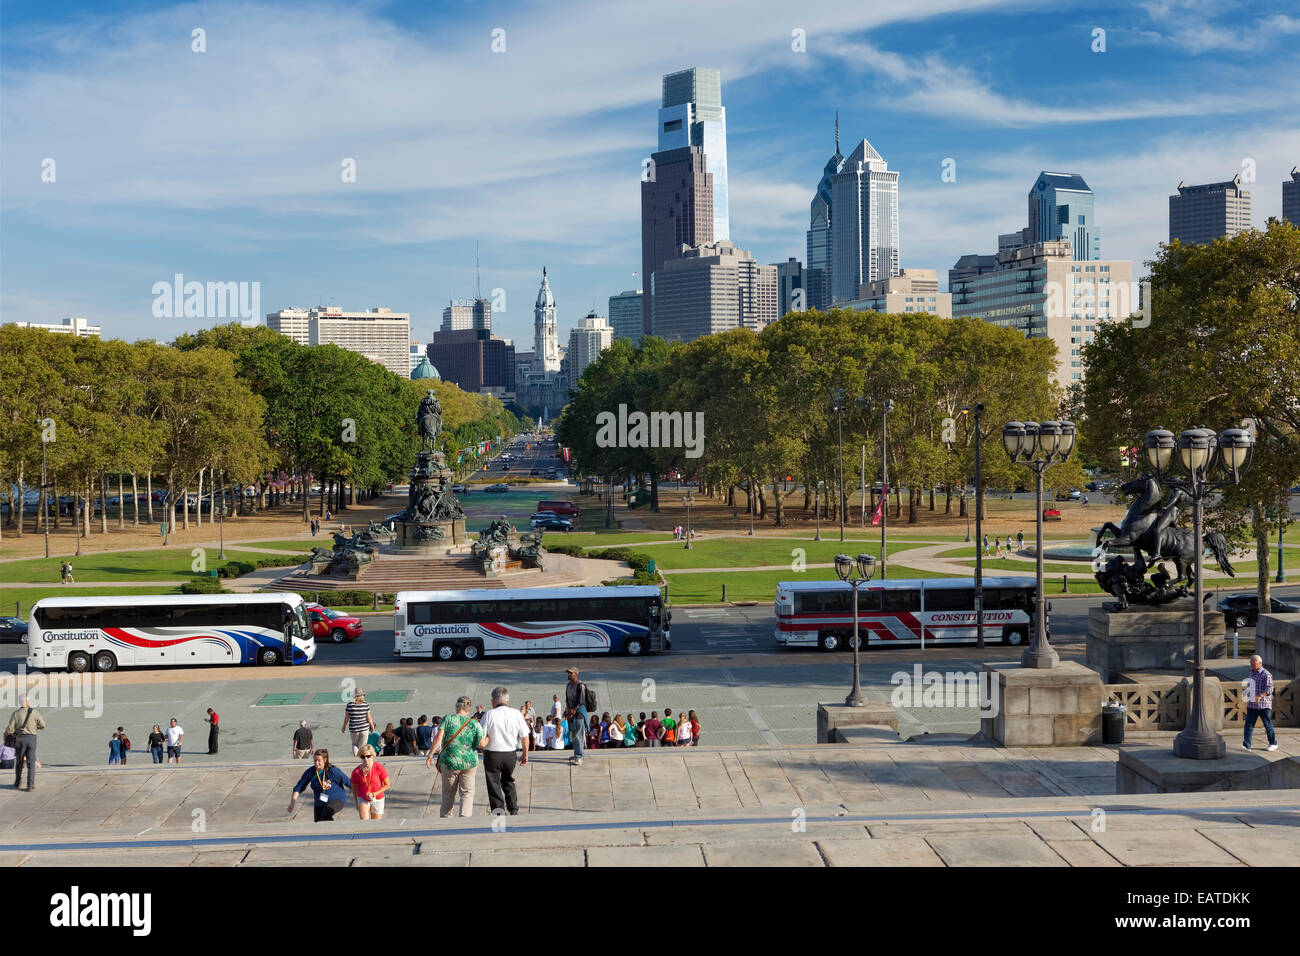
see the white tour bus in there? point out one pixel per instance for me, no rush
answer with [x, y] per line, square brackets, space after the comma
[105, 633]
[915, 611]
[445, 625]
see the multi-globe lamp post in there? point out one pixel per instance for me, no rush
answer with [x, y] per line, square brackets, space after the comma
[1200, 455]
[844, 567]
[1039, 445]
[688, 499]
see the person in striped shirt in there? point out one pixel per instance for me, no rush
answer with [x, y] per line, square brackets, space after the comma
[357, 722]
[1259, 702]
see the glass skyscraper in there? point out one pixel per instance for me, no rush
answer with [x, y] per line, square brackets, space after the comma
[692, 114]
[864, 227]
[818, 274]
[1060, 207]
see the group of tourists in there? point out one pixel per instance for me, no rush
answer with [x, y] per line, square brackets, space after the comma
[163, 741]
[1000, 548]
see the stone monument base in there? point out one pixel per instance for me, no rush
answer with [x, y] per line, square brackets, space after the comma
[837, 723]
[1146, 638]
[407, 541]
[1277, 640]
[1153, 768]
[1044, 707]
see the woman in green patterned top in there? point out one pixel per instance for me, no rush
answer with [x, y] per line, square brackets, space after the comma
[456, 744]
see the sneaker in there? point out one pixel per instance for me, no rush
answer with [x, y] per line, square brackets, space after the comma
[1272, 746]
[1245, 746]
[577, 761]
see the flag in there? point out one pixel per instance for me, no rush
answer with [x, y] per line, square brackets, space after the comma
[880, 505]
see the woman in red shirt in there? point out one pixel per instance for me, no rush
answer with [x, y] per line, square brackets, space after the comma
[370, 784]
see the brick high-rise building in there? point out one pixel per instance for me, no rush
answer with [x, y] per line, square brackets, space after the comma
[676, 211]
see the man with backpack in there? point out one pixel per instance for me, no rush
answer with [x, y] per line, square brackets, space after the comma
[25, 723]
[578, 700]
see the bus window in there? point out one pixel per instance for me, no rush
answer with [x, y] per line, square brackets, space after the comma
[869, 601]
[950, 599]
[839, 602]
[901, 600]
[807, 603]
[420, 613]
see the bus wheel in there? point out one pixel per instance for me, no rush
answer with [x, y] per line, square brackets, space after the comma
[861, 644]
[471, 650]
[268, 655]
[105, 662]
[633, 647]
[338, 636]
[1014, 637]
[829, 641]
[78, 662]
[445, 651]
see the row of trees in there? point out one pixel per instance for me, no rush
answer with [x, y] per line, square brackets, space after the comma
[223, 407]
[769, 399]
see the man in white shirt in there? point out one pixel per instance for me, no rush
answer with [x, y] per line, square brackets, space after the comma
[175, 734]
[557, 709]
[505, 732]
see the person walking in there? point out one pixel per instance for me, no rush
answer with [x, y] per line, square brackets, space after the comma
[302, 741]
[214, 730]
[423, 735]
[370, 784]
[156, 739]
[1259, 702]
[505, 731]
[175, 733]
[126, 744]
[458, 737]
[1020, 539]
[328, 785]
[115, 749]
[71, 579]
[63, 572]
[575, 699]
[24, 724]
[357, 721]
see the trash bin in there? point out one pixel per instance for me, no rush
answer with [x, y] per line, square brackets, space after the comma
[1113, 715]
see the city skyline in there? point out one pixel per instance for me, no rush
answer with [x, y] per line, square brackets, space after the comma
[195, 180]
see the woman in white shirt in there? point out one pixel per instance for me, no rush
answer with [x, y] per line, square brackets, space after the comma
[557, 735]
[683, 732]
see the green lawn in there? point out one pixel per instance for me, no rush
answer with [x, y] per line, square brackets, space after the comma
[299, 546]
[163, 564]
[742, 553]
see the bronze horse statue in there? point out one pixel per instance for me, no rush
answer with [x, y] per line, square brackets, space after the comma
[1142, 514]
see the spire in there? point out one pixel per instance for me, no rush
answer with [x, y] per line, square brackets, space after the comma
[837, 131]
[478, 276]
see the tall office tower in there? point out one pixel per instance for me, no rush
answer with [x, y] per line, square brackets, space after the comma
[475, 360]
[625, 315]
[1205, 213]
[546, 338]
[1291, 197]
[591, 337]
[1042, 291]
[713, 288]
[676, 211]
[692, 114]
[380, 334]
[864, 228]
[467, 314]
[1060, 207]
[790, 275]
[1013, 240]
[817, 275]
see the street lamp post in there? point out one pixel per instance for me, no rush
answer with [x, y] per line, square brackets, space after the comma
[977, 410]
[884, 482]
[816, 510]
[221, 526]
[837, 406]
[688, 499]
[1283, 512]
[44, 499]
[967, 509]
[1039, 445]
[1201, 453]
[844, 568]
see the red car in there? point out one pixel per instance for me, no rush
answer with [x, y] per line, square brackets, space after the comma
[328, 624]
[1051, 514]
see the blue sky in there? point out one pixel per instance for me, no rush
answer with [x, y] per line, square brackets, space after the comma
[225, 165]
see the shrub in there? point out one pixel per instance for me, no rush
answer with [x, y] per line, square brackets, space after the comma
[347, 598]
[201, 586]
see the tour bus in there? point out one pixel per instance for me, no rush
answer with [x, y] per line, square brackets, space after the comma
[445, 625]
[105, 633]
[900, 612]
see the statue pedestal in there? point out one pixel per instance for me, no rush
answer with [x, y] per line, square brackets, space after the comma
[1277, 641]
[1146, 638]
[1043, 707]
[433, 520]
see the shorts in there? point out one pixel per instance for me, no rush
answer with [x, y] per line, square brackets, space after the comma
[377, 806]
[174, 752]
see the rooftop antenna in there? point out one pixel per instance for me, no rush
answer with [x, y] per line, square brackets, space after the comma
[837, 131]
[478, 277]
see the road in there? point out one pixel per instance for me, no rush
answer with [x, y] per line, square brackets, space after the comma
[724, 664]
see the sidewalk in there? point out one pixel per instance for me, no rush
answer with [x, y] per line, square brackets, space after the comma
[893, 804]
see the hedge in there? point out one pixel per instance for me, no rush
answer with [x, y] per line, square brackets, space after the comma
[201, 586]
[233, 569]
[347, 598]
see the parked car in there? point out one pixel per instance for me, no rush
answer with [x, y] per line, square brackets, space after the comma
[497, 488]
[1242, 610]
[334, 626]
[13, 630]
[564, 508]
[553, 523]
[1051, 514]
[460, 489]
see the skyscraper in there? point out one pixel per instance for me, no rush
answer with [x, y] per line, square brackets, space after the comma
[713, 288]
[591, 337]
[546, 337]
[380, 334]
[1291, 197]
[1060, 207]
[692, 114]
[1204, 213]
[864, 228]
[817, 275]
[625, 315]
[676, 211]
[790, 275]
[463, 314]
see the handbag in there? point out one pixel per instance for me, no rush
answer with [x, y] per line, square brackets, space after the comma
[438, 763]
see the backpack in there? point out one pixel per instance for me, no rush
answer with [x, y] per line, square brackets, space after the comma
[126, 742]
[589, 696]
